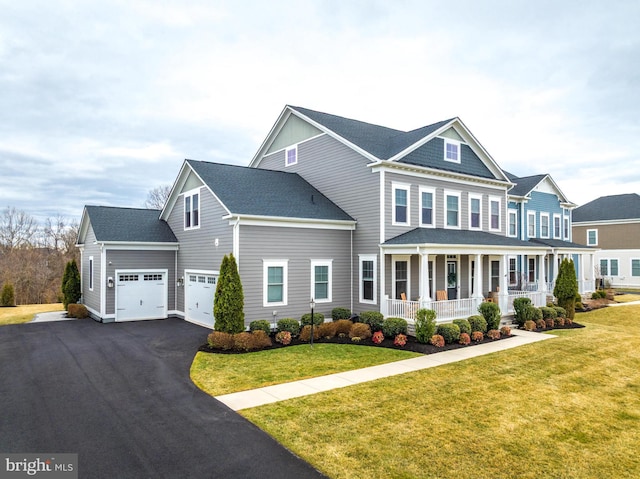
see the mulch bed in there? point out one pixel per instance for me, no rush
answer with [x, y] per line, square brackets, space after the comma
[412, 344]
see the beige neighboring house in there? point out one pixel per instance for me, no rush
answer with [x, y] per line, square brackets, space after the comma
[612, 224]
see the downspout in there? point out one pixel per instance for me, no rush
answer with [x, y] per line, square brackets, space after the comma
[236, 241]
[351, 273]
[175, 280]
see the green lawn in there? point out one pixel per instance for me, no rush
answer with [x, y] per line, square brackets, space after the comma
[25, 313]
[626, 298]
[564, 408]
[219, 374]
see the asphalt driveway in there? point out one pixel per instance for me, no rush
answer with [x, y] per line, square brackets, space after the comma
[120, 396]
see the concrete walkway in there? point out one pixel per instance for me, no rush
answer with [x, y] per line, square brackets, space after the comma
[52, 316]
[306, 387]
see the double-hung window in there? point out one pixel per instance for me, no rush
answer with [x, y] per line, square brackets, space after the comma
[321, 276]
[609, 267]
[453, 210]
[192, 210]
[544, 225]
[566, 228]
[513, 223]
[452, 151]
[635, 267]
[475, 208]
[531, 224]
[400, 204]
[592, 237]
[291, 156]
[368, 265]
[426, 207]
[532, 270]
[557, 226]
[275, 285]
[90, 273]
[513, 271]
[494, 206]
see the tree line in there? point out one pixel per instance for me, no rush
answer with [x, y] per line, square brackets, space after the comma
[33, 255]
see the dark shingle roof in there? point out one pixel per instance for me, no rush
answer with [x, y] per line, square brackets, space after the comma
[253, 191]
[556, 243]
[525, 184]
[615, 207]
[129, 225]
[455, 237]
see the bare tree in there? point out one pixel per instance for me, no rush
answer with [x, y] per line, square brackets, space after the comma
[157, 197]
[17, 228]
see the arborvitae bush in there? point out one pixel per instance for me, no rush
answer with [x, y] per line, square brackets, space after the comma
[318, 319]
[71, 290]
[340, 313]
[464, 325]
[491, 314]
[449, 331]
[566, 287]
[477, 323]
[8, 296]
[373, 318]
[289, 324]
[391, 327]
[228, 304]
[260, 324]
[425, 325]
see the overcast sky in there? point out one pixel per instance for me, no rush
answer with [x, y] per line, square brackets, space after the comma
[101, 101]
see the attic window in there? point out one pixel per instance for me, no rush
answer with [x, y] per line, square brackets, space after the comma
[291, 156]
[452, 151]
[192, 210]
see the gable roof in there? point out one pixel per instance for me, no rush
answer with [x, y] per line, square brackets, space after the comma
[525, 185]
[127, 225]
[258, 192]
[608, 208]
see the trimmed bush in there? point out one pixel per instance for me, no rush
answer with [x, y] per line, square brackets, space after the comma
[566, 287]
[327, 330]
[360, 330]
[244, 342]
[477, 336]
[8, 296]
[228, 302]
[400, 340]
[523, 311]
[425, 325]
[318, 319]
[493, 334]
[505, 331]
[540, 323]
[550, 322]
[529, 325]
[477, 323]
[491, 314]
[374, 319]
[305, 333]
[261, 339]
[77, 311]
[220, 340]
[391, 327]
[283, 337]
[560, 321]
[464, 325]
[600, 294]
[464, 339]
[343, 326]
[561, 312]
[289, 324]
[377, 337]
[437, 341]
[449, 331]
[260, 324]
[340, 313]
[548, 312]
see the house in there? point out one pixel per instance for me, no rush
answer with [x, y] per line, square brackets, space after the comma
[350, 213]
[612, 224]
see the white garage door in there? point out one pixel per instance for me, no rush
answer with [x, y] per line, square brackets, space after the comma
[141, 295]
[201, 289]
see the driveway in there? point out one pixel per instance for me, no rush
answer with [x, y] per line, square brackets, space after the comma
[120, 396]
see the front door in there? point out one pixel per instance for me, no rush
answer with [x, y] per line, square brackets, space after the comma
[452, 279]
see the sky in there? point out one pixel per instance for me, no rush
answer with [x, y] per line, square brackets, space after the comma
[101, 101]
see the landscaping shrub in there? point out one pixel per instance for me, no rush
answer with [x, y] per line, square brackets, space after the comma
[425, 325]
[261, 339]
[505, 331]
[289, 324]
[228, 302]
[550, 322]
[391, 327]
[568, 321]
[220, 340]
[548, 312]
[400, 340]
[579, 306]
[77, 311]
[340, 313]
[491, 314]
[477, 323]
[493, 334]
[437, 341]
[283, 337]
[529, 325]
[244, 341]
[523, 311]
[377, 337]
[305, 333]
[318, 319]
[71, 291]
[560, 321]
[600, 294]
[566, 287]
[374, 319]
[477, 336]
[360, 330]
[327, 330]
[8, 296]
[464, 325]
[343, 326]
[260, 324]
[540, 323]
[562, 313]
[449, 331]
[464, 339]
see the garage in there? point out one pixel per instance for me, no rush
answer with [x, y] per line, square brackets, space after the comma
[141, 295]
[200, 291]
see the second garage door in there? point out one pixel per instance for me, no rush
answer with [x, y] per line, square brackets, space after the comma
[201, 289]
[141, 295]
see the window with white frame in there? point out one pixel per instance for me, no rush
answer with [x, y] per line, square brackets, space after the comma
[321, 280]
[452, 151]
[494, 212]
[475, 209]
[635, 267]
[557, 226]
[513, 223]
[513, 271]
[544, 225]
[532, 270]
[608, 267]
[531, 224]
[192, 210]
[90, 273]
[592, 237]
[453, 210]
[368, 267]
[275, 276]
[291, 156]
[400, 204]
[401, 277]
[566, 228]
[427, 212]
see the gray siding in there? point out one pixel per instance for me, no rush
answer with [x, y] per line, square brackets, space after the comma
[294, 131]
[299, 246]
[91, 299]
[197, 246]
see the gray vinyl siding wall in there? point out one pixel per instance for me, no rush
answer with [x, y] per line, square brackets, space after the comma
[197, 246]
[299, 246]
[141, 260]
[341, 175]
[91, 299]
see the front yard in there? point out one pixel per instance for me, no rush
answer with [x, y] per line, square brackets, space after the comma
[565, 408]
[25, 313]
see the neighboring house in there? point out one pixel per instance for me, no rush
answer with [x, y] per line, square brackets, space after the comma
[612, 224]
[352, 214]
[539, 212]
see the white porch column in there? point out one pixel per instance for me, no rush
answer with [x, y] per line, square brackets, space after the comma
[541, 273]
[477, 278]
[555, 267]
[504, 284]
[582, 277]
[425, 287]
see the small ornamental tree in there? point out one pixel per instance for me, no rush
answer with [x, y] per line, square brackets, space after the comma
[8, 297]
[228, 305]
[566, 287]
[71, 291]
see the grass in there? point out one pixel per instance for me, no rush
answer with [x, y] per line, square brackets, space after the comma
[25, 313]
[226, 373]
[564, 408]
[626, 298]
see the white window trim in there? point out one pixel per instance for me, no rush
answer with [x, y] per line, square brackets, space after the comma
[191, 194]
[509, 270]
[609, 272]
[286, 155]
[631, 267]
[329, 264]
[446, 209]
[495, 199]
[566, 220]
[530, 215]
[515, 215]
[394, 188]
[361, 259]
[529, 270]
[548, 235]
[91, 272]
[448, 141]
[596, 234]
[433, 207]
[394, 260]
[475, 197]
[266, 264]
[560, 226]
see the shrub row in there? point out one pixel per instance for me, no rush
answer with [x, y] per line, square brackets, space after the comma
[244, 341]
[525, 312]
